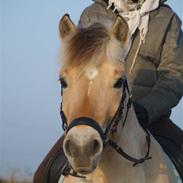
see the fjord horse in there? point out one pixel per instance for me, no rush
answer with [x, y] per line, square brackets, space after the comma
[104, 142]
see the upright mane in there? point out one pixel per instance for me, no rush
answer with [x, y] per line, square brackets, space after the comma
[87, 45]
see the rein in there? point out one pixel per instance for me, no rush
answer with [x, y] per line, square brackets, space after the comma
[110, 130]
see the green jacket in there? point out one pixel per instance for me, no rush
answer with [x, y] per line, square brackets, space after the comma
[157, 77]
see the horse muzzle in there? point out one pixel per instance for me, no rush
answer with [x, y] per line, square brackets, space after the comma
[83, 144]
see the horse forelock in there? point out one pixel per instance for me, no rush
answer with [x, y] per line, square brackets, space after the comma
[88, 45]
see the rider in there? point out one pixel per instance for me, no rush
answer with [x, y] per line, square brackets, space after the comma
[155, 71]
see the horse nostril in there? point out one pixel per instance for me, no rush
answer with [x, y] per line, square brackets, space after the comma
[67, 148]
[96, 147]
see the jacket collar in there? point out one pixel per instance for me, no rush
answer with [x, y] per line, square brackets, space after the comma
[101, 1]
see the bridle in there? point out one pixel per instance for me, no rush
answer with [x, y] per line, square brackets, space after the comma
[114, 121]
[110, 129]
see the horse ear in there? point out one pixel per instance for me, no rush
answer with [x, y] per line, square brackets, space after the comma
[66, 26]
[120, 29]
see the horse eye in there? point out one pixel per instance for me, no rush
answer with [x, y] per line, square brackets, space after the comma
[119, 83]
[63, 82]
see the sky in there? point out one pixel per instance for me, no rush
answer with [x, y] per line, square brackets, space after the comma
[29, 89]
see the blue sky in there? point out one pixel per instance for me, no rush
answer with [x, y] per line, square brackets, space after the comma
[29, 87]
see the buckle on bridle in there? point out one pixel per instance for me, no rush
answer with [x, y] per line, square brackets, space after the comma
[66, 171]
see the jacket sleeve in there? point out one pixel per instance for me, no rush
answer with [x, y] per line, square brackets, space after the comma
[96, 13]
[168, 88]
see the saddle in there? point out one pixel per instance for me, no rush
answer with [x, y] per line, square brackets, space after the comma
[174, 152]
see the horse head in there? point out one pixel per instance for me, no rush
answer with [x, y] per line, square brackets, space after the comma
[92, 77]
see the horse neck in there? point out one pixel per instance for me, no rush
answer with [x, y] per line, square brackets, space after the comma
[131, 137]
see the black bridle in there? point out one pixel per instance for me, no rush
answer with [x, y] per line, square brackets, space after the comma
[111, 128]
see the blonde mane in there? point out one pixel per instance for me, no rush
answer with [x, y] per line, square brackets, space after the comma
[90, 46]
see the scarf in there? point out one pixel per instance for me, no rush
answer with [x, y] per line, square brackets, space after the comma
[137, 17]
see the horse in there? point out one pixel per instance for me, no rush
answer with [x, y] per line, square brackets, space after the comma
[104, 142]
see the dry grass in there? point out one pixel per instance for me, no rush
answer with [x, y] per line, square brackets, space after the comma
[13, 180]
[16, 175]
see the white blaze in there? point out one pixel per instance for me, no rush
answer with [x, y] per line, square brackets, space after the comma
[91, 74]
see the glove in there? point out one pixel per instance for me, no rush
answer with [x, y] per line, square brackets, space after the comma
[141, 114]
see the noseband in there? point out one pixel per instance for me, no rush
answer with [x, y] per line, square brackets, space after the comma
[111, 128]
[87, 122]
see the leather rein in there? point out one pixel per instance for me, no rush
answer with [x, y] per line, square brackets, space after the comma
[110, 130]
